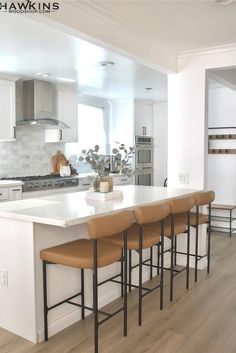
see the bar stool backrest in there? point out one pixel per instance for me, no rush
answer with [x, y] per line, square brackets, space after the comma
[152, 213]
[204, 198]
[181, 205]
[101, 227]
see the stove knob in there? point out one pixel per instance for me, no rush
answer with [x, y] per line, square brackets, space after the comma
[30, 186]
[36, 186]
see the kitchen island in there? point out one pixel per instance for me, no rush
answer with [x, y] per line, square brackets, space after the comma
[27, 226]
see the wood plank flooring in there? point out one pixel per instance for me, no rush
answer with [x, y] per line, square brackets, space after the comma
[200, 320]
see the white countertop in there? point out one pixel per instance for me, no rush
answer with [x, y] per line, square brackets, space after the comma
[10, 183]
[72, 208]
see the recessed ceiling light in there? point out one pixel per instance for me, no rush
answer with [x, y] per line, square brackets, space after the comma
[106, 63]
[43, 74]
[223, 2]
[65, 79]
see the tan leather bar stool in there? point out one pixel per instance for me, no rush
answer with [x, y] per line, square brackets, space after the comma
[141, 237]
[203, 198]
[173, 228]
[92, 254]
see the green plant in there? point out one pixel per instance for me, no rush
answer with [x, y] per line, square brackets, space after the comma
[122, 158]
[98, 162]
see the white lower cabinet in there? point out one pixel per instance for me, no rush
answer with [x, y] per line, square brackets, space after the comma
[4, 194]
[122, 180]
[15, 193]
[11, 194]
[85, 183]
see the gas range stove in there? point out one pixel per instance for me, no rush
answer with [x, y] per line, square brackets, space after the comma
[46, 182]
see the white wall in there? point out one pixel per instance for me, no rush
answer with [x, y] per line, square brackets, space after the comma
[160, 127]
[187, 127]
[222, 168]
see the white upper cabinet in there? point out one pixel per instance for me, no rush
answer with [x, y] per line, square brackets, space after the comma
[7, 110]
[143, 115]
[67, 110]
[68, 113]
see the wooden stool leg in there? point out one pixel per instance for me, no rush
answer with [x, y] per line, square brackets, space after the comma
[45, 305]
[82, 293]
[95, 295]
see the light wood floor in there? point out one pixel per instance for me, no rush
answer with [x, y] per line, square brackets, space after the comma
[201, 320]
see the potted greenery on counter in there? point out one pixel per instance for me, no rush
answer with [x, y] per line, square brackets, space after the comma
[122, 159]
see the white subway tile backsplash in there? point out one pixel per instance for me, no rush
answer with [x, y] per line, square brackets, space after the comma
[29, 154]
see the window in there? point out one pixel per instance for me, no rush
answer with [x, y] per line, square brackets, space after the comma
[91, 126]
[93, 129]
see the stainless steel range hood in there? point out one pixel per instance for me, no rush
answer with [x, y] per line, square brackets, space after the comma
[40, 105]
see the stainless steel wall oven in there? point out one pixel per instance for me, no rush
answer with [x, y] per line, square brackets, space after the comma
[144, 160]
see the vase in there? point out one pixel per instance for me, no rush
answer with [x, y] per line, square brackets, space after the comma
[98, 179]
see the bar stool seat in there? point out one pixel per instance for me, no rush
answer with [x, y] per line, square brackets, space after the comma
[193, 221]
[79, 254]
[150, 237]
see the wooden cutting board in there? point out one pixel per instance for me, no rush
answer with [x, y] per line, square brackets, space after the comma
[57, 161]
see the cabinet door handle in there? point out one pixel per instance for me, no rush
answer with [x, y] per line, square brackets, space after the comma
[14, 132]
[86, 184]
[16, 189]
[60, 138]
[1, 194]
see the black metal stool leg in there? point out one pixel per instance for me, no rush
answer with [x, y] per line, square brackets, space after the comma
[172, 259]
[125, 284]
[122, 275]
[45, 304]
[162, 265]
[130, 270]
[140, 275]
[95, 295]
[188, 249]
[82, 293]
[151, 262]
[209, 241]
[196, 244]
[175, 262]
[158, 259]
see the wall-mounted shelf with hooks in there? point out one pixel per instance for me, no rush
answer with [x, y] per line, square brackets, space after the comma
[222, 151]
[221, 137]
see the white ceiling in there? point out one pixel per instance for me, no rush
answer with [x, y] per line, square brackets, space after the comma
[182, 25]
[29, 47]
